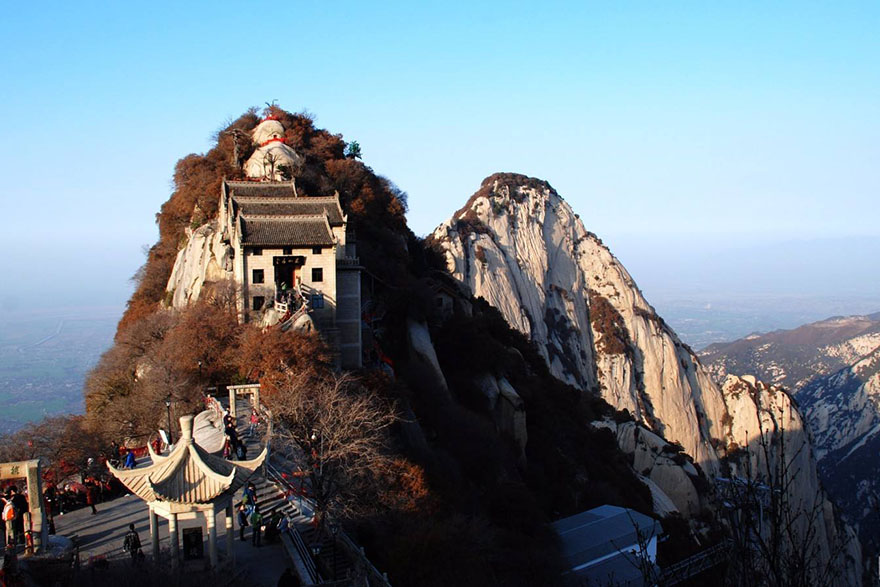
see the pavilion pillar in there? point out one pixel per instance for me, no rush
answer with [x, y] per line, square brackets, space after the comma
[211, 519]
[175, 540]
[256, 398]
[230, 535]
[154, 535]
[232, 402]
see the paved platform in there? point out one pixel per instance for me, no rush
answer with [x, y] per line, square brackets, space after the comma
[102, 534]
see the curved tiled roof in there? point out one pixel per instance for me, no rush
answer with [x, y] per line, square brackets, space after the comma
[261, 188]
[292, 206]
[189, 475]
[292, 230]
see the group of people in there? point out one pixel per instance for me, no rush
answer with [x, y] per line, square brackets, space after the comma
[13, 505]
[234, 444]
[249, 514]
[60, 499]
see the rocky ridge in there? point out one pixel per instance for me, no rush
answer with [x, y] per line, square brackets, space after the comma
[520, 246]
[765, 419]
[795, 357]
[833, 369]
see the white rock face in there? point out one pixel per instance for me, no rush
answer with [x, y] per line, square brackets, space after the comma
[422, 352]
[832, 367]
[517, 244]
[204, 259]
[844, 407]
[268, 130]
[521, 247]
[658, 461]
[764, 418]
[510, 414]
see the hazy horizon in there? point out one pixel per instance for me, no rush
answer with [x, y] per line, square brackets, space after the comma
[726, 154]
[689, 130]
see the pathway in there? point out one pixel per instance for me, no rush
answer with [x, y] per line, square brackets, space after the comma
[101, 535]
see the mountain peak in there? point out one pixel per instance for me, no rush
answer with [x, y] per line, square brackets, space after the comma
[515, 180]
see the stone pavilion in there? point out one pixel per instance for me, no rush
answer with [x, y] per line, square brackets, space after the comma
[189, 484]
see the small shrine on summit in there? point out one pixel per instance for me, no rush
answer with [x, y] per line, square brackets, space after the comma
[187, 484]
[273, 158]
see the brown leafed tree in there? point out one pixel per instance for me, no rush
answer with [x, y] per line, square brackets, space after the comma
[340, 431]
[270, 356]
[64, 444]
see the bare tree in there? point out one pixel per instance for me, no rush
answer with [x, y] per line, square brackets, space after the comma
[340, 431]
[270, 161]
[779, 535]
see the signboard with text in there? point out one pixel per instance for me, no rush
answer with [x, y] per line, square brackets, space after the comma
[16, 470]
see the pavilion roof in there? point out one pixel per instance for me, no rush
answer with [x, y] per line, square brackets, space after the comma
[189, 474]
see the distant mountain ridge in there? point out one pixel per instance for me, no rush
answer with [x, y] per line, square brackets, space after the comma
[794, 357]
[832, 368]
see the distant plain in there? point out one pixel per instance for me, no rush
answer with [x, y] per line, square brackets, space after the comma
[45, 355]
[44, 359]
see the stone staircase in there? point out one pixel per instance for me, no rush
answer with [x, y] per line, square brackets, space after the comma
[323, 557]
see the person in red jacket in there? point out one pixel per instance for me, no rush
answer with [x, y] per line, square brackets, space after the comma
[90, 496]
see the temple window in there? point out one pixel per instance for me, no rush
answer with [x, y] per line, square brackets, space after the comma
[258, 276]
[317, 274]
[258, 302]
[316, 250]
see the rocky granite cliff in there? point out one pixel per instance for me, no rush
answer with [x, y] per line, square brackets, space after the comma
[832, 367]
[520, 246]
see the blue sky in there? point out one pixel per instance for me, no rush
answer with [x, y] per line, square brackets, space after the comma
[677, 130]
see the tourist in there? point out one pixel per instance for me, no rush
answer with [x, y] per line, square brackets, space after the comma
[228, 421]
[90, 496]
[129, 460]
[21, 506]
[241, 451]
[233, 436]
[50, 499]
[250, 493]
[242, 519]
[272, 527]
[132, 544]
[8, 510]
[254, 420]
[256, 523]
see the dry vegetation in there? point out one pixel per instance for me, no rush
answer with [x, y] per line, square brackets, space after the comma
[424, 480]
[613, 337]
[376, 207]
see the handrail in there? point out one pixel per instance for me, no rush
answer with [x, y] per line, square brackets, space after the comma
[376, 577]
[298, 542]
[354, 550]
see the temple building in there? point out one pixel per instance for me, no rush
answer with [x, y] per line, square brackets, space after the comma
[189, 486]
[290, 255]
[292, 263]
